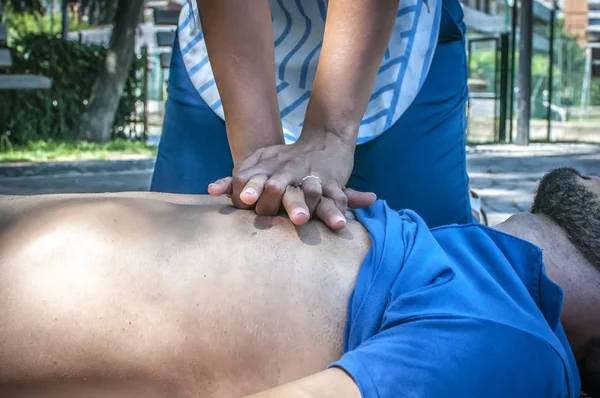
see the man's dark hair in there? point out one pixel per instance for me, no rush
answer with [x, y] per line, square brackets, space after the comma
[563, 198]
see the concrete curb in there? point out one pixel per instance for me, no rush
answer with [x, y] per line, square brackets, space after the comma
[76, 167]
[141, 163]
[534, 149]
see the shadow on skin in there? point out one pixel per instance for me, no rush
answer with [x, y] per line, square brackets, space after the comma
[308, 234]
[345, 234]
[90, 386]
[226, 210]
[267, 222]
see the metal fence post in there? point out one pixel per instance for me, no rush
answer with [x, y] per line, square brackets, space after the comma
[503, 86]
[145, 90]
[524, 81]
[513, 58]
[550, 69]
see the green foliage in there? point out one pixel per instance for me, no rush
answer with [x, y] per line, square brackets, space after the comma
[568, 71]
[29, 115]
[483, 64]
[97, 12]
[59, 150]
[23, 5]
[26, 23]
[595, 92]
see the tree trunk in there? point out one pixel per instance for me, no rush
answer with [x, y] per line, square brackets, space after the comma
[96, 123]
[65, 19]
[524, 80]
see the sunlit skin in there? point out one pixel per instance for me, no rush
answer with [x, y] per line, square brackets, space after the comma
[158, 295]
[593, 184]
[154, 295]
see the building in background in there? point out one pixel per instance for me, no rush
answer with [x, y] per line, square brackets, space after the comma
[575, 15]
[593, 35]
[563, 97]
[492, 17]
[582, 19]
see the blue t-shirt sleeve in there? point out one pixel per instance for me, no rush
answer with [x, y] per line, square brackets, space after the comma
[447, 356]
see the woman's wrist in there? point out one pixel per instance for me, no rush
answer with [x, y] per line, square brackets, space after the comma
[318, 126]
[327, 114]
[245, 139]
[346, 135]
[321, 138]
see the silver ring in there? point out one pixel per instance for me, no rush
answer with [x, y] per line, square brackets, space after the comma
[311, 176]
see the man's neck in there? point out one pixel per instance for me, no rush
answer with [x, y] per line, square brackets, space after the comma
[565, 265]
[542, 232]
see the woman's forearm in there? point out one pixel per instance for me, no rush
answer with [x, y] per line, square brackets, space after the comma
[239, 40]
[356, 35]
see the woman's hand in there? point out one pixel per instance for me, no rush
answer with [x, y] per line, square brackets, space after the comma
[293, 198]
[307, 178]
[321, 166]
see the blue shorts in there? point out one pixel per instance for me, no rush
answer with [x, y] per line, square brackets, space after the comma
[418, 164]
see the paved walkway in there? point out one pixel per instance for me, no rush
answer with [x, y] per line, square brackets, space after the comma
[505, 176]
[76, 177]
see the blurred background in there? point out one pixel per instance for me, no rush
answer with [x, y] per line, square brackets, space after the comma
[565, 70]
[83, 88]
[65, 41]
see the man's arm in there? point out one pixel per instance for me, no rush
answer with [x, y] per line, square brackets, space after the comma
[239, 40]
[332, 382]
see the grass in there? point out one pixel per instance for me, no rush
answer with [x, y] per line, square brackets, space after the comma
[40, 151]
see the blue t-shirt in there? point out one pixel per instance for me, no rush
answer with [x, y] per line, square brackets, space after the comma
[298, 28]
[458, 311]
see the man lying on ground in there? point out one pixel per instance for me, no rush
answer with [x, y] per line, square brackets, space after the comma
[153, 295]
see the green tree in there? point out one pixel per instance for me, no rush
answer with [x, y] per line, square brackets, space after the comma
[99, 12]
[568, 70]
[23, 5]
[34, 22]
[97, 121]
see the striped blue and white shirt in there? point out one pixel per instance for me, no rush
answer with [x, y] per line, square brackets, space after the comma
[298, 27]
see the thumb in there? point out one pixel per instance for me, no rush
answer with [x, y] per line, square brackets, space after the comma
[357, 200]
[220, 187]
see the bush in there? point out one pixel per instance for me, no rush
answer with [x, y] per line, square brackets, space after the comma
[27, 23]
[28, 115]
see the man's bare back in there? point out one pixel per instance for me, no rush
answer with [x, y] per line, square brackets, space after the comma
[139, 286]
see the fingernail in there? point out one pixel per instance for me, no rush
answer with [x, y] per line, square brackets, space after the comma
[211, 185]
[249, 192]
[372, 194]
[339, 220]
[299, 213]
